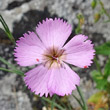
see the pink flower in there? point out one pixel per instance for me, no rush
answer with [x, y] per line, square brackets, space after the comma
[47, 50]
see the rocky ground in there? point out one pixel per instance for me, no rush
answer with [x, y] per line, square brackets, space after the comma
[22, 16]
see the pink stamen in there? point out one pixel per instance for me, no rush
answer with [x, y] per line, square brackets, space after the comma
[58, 61]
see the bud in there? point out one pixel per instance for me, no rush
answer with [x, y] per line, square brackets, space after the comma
[81, 19]
[93, 4]
[97, 17]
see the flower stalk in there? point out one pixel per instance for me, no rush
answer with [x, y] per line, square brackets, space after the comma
[82, 98]
[55, 104]
[6, 29]
[53, 100]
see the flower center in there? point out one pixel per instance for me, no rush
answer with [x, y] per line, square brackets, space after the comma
[53, 57]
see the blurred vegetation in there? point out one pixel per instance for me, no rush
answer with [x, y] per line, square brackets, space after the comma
[101, 99]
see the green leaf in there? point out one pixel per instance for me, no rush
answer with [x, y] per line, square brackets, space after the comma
[101, 82]
[55, 104]
[97, 65]
[108, 87]
[7, 70]
[13, 68]
[6, 62]
[18, 72]
[103, 49]
[103, 9]
[107, 69]
[53, 101]
[93, 4]
[9, 34]
[12, 71]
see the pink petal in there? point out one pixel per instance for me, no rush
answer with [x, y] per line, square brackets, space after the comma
[63, 80]
[29, 50]
[53, 32]
[37, 80]
[79, 51]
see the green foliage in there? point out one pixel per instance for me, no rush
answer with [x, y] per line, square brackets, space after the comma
[102, 10]
[107, 69]
[54, 103]
[103, 49]
[94, 4]
[80, 18]
[6, 29]
[101, 79]
[99, 100]
[101, 82]
[12, 69]
[108, 88]
[96, 97]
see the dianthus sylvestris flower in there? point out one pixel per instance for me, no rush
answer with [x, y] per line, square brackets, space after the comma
[47, 49]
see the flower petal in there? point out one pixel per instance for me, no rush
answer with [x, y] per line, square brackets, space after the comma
[79, 51]
[53, 32]
[29, 50]
[37, 80]
[63, 80]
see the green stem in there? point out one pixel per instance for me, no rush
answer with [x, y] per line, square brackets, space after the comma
[12, 71]
[59, 101]
[98, 66]
[55, 104]
[82, 98]
[4, 69]
[103, 8]
[13, 68]
[53, 101]
[7, 63]
[45, 104]
[9, 34]
[78, 101]
[69, 107]
[3, 21]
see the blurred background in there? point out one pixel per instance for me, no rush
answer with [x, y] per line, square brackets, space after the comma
[24, 15]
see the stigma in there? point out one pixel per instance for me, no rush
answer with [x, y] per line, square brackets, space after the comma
[53, 57]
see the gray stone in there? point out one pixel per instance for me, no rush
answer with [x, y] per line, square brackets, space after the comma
[10, 99]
